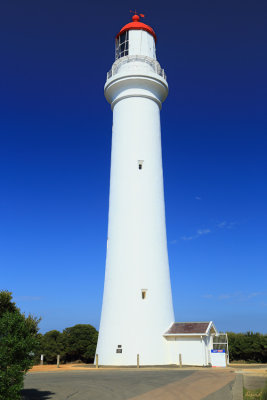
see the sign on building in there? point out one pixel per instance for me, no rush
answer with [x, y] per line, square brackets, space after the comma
[218, 358]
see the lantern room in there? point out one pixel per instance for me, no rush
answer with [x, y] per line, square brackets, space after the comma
[136, 38]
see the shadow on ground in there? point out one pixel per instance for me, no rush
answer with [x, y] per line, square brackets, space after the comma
[34, 394]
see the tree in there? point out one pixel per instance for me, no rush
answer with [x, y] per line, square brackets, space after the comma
[5, 302]
[51, 345]
[80, 342]
[250, 347]
[18, 344]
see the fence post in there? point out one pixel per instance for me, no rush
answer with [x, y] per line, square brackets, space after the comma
[58, 359]
[96, 360]
[138, 363]
[180, 360]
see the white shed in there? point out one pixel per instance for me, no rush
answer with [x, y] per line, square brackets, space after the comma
[190, 342]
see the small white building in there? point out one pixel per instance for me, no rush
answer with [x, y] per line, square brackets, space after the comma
[192, 343]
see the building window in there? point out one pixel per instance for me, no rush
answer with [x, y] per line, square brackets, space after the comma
[140, 164]
[122, 45]
[119, 348]
[143, 293]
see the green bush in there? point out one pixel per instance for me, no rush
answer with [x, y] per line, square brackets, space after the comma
[51, 344]
[77, 343]
[18, 345]
[249, 347]
[80, 343]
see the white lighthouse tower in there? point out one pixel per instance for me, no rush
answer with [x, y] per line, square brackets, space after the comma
[137, 303]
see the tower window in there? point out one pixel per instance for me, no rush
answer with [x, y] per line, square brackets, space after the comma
[143, 293]
[122, 45]
[140, 164]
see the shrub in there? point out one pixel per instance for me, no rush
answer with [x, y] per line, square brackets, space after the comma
[51, 344]
[250, 347]
[18, 344]
[80, 342]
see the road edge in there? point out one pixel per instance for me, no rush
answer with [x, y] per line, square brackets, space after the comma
[238, 387]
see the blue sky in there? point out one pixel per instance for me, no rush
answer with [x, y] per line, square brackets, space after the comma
[55, 139]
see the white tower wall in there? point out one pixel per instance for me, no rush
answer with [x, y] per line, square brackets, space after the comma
[137, 257]
[142, 43]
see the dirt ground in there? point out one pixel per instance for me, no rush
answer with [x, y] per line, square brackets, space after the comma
[62, 367]
[250, 369]
[245, 369]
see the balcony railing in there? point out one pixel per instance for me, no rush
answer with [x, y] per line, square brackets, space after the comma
[128, 59]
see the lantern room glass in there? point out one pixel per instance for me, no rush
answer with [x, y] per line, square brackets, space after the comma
[122, 45]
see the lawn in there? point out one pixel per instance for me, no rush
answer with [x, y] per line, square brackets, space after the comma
[252, 394]
[258, 394]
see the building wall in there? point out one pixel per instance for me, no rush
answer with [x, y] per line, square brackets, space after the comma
[137, 257]
[141, 43]
[194, 350]
[208, 347]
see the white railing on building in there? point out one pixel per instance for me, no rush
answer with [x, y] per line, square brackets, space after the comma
[127, 59]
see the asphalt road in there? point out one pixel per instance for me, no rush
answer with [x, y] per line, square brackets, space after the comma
[124, 385]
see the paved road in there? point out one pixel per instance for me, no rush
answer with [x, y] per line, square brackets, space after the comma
[252, 382]
[126, 385]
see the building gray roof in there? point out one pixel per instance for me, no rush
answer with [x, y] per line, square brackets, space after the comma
[187, 328]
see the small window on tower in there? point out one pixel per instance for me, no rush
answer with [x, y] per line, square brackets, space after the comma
[122, 45]
[140, 164]
[143, 292]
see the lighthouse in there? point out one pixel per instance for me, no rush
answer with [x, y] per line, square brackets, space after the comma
[137, 304]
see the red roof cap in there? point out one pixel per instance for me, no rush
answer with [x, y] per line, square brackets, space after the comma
[136, 24]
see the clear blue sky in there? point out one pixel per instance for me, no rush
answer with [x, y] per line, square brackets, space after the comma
[55, 139]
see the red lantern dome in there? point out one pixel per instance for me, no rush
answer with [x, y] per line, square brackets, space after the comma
[136, 24]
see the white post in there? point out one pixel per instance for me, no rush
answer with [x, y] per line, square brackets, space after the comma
[42, 359]
[58, 360]
[180, 360]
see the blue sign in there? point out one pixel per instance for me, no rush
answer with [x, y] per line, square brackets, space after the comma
[218, 351]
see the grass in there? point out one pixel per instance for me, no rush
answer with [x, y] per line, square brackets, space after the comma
[264, 393]
[252, 394]
[258, 394]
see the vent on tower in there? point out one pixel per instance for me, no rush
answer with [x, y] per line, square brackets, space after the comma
[143, 293]
[119, 349]
[140, 164]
